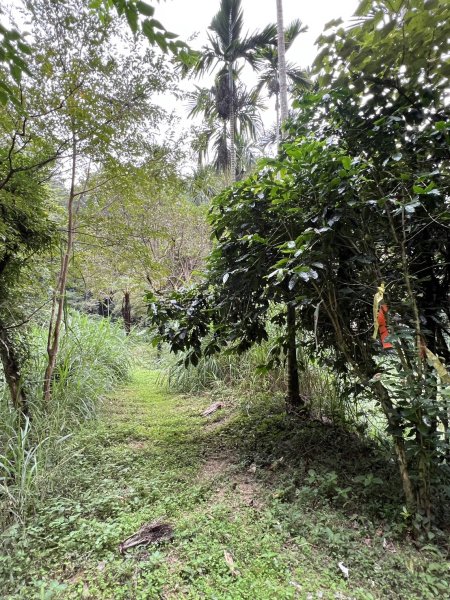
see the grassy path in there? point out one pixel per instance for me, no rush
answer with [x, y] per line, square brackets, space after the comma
[152, 455]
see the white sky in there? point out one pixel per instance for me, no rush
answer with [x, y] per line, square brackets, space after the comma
[189, 18]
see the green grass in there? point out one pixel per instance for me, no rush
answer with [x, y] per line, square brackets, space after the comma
[286, 500]
[94, 357]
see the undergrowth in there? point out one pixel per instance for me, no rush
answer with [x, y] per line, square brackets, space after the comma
[240, 377]
[330, 400]
[262, 505]
[92, 360]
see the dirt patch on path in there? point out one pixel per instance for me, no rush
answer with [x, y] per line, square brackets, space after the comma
[214, 468]
[237, 487]
[137, 444]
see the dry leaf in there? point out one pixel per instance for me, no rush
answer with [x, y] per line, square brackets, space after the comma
[230, 562]
[389, 546]
[276, 463]
[438, 366]
[212, 409]
[149, 533]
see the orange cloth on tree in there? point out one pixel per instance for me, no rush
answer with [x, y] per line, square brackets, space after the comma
[382, 326]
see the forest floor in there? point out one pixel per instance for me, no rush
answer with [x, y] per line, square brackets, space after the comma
[261, 508]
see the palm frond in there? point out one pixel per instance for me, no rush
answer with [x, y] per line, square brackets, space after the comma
[201, 101]
[292, 31]
[208, 58]
[228, 22]
[298, 77]
[267, 56]
[249, 46]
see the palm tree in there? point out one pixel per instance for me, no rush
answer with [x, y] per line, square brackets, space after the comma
[267, 64]
[282, 73]
[227, 48]
[215, 107]
[204, 184]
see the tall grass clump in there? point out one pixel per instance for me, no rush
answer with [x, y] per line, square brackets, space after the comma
[94, 357]
[241, 375]
[218, 371]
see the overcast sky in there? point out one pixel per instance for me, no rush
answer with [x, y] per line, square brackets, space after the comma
[187, 17]
[190, 18]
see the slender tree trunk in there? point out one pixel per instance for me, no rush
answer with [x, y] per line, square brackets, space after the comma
[232, 126]
[294, 400]
[277, 111]
[126, 311]
[282, 77]
[57, 312]
[399, 444]
[12, 368]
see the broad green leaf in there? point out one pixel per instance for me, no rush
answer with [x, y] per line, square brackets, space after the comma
[145, 9]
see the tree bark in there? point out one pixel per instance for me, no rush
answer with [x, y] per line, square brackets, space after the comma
[232, 126]
[399, 444]
[282, 77]
[294, 400]
[277, 112]
[57, 313]
[12, 368]
[126, 311]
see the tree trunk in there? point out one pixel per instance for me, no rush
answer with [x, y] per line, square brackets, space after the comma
[12, 367]
[282, 77]
[399, 444]
[126, 311]
[294, 400]
[57, 312]
[232, 126]
[105, 306]
[277, 112]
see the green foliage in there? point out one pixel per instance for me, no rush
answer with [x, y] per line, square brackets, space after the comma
[19, 461]
[25, 227]
[139, 16]
[246, 376]
[14, 53]
[92, 361]
[156, 235]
